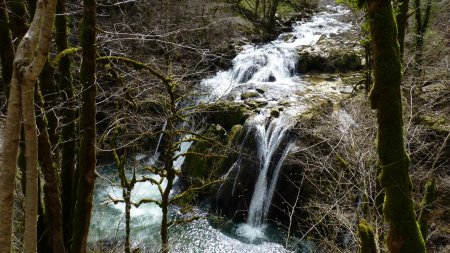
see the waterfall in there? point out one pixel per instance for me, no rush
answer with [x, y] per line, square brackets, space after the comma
[269, 138]
[268, 72]
[156, 154]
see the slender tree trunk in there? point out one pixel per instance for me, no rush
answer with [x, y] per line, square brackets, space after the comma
[87, 160]
[44, 243]
[29, 61]
[421, 28]
[51, 190]
[127, 198]
[50, 102]
[404, 235]
[6, 47]
[8, 168]
[272, 12]
[68, 143]
[31, 155]
[165, 211]
[401, 18]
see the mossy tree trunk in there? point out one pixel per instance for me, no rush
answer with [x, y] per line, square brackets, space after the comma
[427, 204]
[366, 237]
[6, 47]
[404, 235]
[50, 102]
[52, 202]
[68, 118]
[87, 153]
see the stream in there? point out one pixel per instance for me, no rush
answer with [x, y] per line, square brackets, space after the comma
[268, 75]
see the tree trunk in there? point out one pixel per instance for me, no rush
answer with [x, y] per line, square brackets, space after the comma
[401, 18]
[127, 198]
[51, 190]
[404, 235]
[87, 160]
[30, 59]
[8, 168]
[68, 118]
[272, 11]
[6, 47]
[50, 102]
[31, 155]
[421, 28]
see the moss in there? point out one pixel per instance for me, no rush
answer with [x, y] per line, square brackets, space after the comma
[427, 205]
[284, 9]
[250, 94]
[367, 238]
[404, 234]
[343, 164]
[226, 114]
[437, 123]
[233, 135]
[204, 157]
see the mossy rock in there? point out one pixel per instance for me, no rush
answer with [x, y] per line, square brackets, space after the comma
[437, 123]
[226, 114]
[207, 158]
[250, 94]
[203, 158]
[317, 111]
[330, 55]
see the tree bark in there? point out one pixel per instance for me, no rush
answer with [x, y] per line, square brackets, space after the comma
[68, 143]
[404, 235]
[8, 167]
[87, 159]
[28, 63]
[52, 200]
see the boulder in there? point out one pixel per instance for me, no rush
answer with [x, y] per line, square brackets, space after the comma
[225, 113]
[331, 55]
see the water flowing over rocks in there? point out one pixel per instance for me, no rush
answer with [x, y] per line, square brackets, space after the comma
[259, 100]
[250, 115]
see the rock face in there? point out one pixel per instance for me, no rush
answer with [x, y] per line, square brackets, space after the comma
[330, 55]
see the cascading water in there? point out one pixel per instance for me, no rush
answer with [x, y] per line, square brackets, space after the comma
[269, 138]
[273, 65]
[270, 72]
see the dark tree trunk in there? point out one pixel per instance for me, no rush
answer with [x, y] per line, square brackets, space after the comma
[404, 235]
[6, 48]
[86, 159]
[401, 19]
[127, 195]
[68, 118]
[52, 200]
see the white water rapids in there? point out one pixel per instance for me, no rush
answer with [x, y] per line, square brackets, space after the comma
[268, 70]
